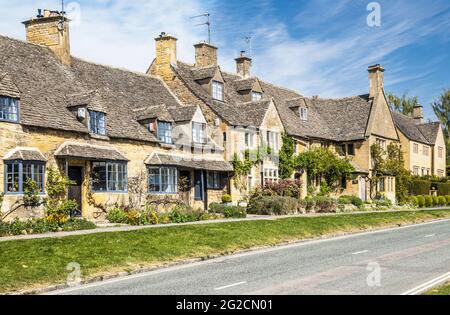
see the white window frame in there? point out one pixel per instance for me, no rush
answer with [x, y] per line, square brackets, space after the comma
[218, 90]
[256, 96]
[303, 113]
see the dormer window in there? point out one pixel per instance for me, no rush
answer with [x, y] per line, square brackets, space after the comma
[97, 123]
[303, 113]
[165, 132]
[199, 133]
[217, 90]
[9, 109]
[256, 96]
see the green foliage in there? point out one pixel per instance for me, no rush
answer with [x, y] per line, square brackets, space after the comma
[421, 201]
[351, 200]
[420, 187]
[17, 227]
[443, 188]
[383, 203]
[227, 198]
[442, 201]
[117, 215]
[273, 205]
[31, 193]
[234, 212]
[448, 200]
[428, 201]
[60, 215]
[287, 159]
[284, 188]
[441, 108]
[403, 104]
[78, 225]
[415, 201]
[325, 165]
[435, 200]
[325, 204]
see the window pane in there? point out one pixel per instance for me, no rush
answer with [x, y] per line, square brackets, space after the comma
[12, 177]
[217, 90]
[165, 132]
[97, 122]
[154, 181]
[9, 109]
[99, 176]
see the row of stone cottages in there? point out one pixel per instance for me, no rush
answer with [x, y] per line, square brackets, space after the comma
[175, 129]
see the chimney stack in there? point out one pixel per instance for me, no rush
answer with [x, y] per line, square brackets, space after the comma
[51, 30]
[418, 114]
[166, 55]
[205, 55]
[376, 78]
[244, 65]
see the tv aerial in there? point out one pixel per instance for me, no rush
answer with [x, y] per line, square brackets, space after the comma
[207, 23]
[62, 20]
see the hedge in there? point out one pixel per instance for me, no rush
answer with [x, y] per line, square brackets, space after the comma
[420, 187]
[443, 189]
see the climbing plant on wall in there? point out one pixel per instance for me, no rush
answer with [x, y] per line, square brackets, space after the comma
[287, 158]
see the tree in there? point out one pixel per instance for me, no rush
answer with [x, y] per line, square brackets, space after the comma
[441, 108]
[325, 165]
[404, 104]
[287, 157]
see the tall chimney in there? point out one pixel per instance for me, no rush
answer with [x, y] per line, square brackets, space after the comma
[244, 65]
[205, 55]
[50, 30]
[166, 55]
[418, 114]
[376, 78]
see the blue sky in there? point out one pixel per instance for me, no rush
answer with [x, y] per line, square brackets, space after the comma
[317, 47]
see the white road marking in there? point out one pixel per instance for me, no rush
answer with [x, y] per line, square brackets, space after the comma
[428, 285]
[230, 286]
[239, 255]
[431, 235]
[361, 252]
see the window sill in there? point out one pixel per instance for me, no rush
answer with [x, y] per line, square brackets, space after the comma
[162, 194]
[21, 194]
[167, 145]
[99, 137]
[111, 192]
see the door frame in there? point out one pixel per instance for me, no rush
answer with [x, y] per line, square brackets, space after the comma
[80, 202]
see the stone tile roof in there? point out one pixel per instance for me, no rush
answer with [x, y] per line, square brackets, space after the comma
[89, 152]
[25, 154]
[44, 85]
[92, 100]
[158, 159]
[245, 84]
[159, 112]
[203, 73]
[430, 131]
[7, 86]
[410, 128]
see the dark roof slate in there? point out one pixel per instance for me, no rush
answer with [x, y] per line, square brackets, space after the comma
[430, 131]
[409, 127]
[89, 152]
[194, 163]
[25, 154]
[7, 86]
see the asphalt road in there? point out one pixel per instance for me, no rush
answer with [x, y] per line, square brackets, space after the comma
[384, 262]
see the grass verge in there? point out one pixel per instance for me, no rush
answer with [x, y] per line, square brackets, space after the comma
[442, 290]
[40, 262]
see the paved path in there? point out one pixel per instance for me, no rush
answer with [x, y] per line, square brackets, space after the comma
[126, 228]
[407, 257]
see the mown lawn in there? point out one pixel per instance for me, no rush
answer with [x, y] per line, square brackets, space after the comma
[30, 263]
[442, 290]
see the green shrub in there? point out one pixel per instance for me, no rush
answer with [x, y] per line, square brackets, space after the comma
[428, 201]
[448, 200]
[421, 200]
[435, 200]
[351, 200]
[443, 188]
[442, 201]
[216, 207]
[235, 212]
[383, 203]
[39, 226]
[420, 187]
[227, 198]
[165, 219]
[414, 201]
[117, 215]
[59, 215]
[309, 203]
[282, 188]
[4, 229]
[275, 205]
[181, 214]
[17, 227]
[325, 204]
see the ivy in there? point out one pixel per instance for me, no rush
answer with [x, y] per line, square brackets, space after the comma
[56, 186]
[287, 159]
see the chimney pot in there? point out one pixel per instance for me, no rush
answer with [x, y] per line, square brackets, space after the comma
[418, 114]
[244, 65]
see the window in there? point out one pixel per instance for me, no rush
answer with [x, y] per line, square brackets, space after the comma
[416, 170]
[249, 140]
[344, 183]
[426, 150]
[256, 96]
[18, 172]
[109, 177]
[97, 123]
[428, 171]
[250, 182]
[217, 90]
[440, 173]
[216, 180]
[165, 132]
[303, 113]
[9, 109]
[423, 171]
[440, 152]
[270, 175]
[342, 149]
[381, 185]
[163, 180]
[273, 140]
[382, 144]
[351, 149]
[199, 133]
[416, 148]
